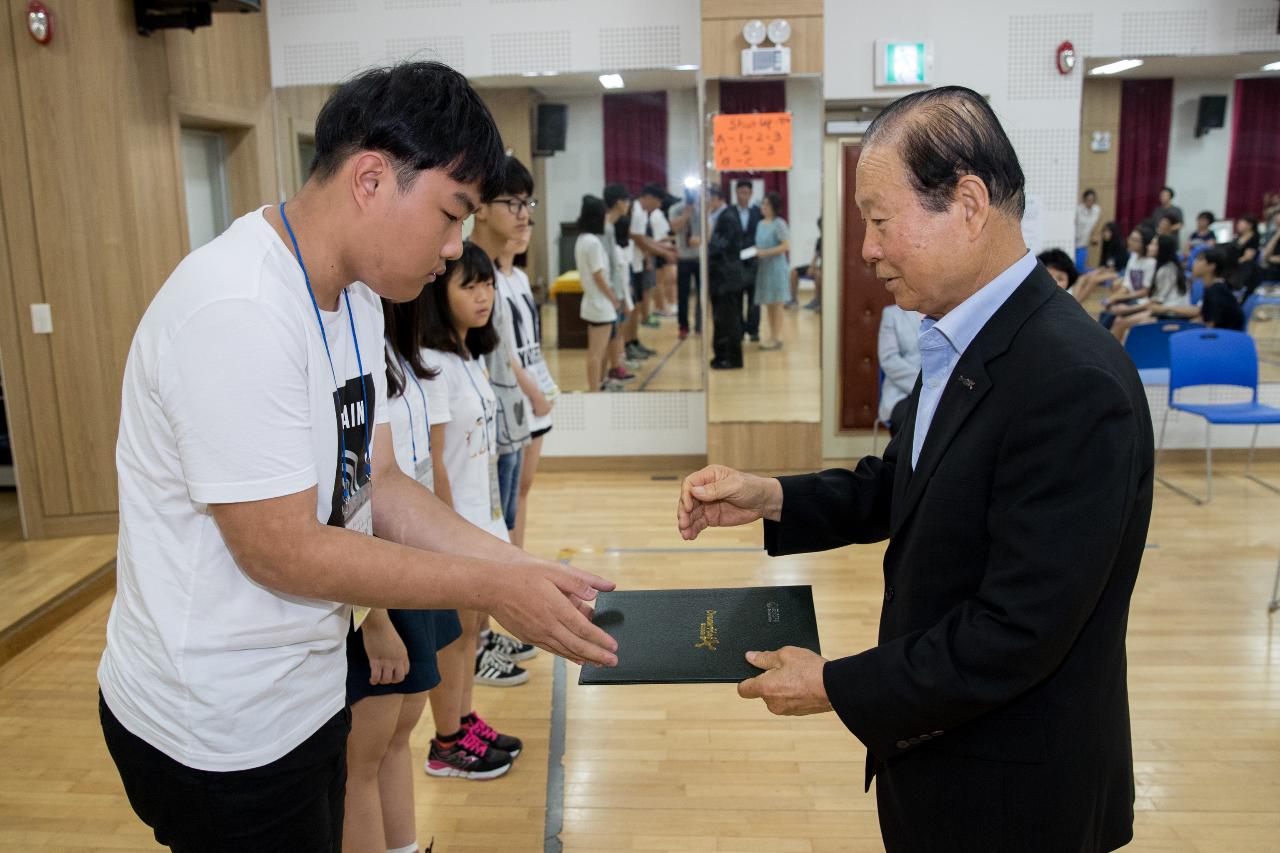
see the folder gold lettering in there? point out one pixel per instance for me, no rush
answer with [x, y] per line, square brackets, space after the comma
[671, 636]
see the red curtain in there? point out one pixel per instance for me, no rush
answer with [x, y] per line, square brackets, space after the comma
[1255, 146]
[635, 139]
[1146, 107]
[754, 96]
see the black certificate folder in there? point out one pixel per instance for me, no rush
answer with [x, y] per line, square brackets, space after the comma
[673, 636]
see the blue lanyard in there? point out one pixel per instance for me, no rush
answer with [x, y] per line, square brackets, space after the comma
[484, 408]
[337, 389]
[426, 414]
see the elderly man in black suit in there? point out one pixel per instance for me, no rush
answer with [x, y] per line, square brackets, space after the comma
[726, 279]
[1015, 498]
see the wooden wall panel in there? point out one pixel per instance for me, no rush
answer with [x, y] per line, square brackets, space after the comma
[722, 45]
[766, 447]
[296, 110]
[766, 10]
[94, 219]
[1100, 110]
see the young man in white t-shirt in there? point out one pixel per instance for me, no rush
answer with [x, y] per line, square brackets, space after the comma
[253, 429]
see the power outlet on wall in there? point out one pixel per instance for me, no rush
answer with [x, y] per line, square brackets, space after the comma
[41, 318]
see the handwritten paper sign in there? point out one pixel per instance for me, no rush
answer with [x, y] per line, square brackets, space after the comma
[751, 142]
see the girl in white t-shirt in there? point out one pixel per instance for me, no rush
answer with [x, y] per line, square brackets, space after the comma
[599, 309]
[457, 332]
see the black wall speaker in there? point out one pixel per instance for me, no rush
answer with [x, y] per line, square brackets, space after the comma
[550, 128]
[1213, 113]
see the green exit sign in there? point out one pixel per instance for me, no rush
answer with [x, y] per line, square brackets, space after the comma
[903, 63]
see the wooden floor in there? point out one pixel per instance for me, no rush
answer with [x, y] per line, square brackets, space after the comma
[781, 385]
[694, 768]
[32, 573]
[678, 365]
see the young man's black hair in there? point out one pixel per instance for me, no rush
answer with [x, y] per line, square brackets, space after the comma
[423, 115]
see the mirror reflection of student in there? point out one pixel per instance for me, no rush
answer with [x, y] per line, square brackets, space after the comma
[253, 432]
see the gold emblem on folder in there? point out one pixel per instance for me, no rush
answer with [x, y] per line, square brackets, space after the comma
[707, 636]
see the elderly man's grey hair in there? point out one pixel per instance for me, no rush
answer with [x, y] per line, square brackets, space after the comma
[944, 134]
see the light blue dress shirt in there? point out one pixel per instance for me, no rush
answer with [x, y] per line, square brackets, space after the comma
[942, 342]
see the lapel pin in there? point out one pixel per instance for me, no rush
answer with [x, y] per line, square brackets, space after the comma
[967, 383]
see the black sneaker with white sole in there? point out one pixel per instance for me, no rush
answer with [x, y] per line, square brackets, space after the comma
[494, 669]
[467, 758]
[509, 646]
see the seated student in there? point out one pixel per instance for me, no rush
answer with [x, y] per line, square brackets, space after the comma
[1169, 223]
[457, 332]
[898, 349]
[1203, 235]
[1116, 264]
[1218, 308]
[1062, 268]
[1139, 274]
[1169, 291]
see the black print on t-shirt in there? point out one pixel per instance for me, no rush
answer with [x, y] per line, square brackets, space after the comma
[529, 352]
[351, 415]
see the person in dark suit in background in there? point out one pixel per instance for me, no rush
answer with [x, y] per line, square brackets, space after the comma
[726, 281]
[749, 216]
[1015, 498]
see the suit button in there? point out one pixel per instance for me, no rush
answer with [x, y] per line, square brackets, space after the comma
[913, 740]
[939, 733]
[888, 593]
[924, 738]
[902, 744]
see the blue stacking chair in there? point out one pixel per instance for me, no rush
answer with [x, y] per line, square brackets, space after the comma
[1148, 346]
[1197, 291]
[1251, 304]
[1216, 357]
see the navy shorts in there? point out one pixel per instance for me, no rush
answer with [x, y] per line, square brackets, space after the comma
[423, 632]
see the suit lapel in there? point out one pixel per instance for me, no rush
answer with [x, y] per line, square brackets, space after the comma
[965, 388]
[902, 471]
[968, 384]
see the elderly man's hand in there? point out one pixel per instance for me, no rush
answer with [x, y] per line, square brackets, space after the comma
[791, 685]
[718, 496]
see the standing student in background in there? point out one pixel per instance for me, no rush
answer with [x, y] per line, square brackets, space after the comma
[513, 418]
[457, 332]
[617, 202]
[686, 224]
[391, 660]
[500, 221]
[749, 217]
[1088, 214]
[599, 309]
[772, 285]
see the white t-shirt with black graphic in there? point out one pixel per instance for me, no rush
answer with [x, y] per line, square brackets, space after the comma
[469, 413]
[412, 411]
[229, 397]
[521, 328]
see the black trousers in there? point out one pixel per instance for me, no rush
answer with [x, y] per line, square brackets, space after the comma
[686, 279]
[294, 803]
[752, 314]
[726, 316]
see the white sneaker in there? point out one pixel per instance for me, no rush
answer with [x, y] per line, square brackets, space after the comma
[495, 669]
[509, 646]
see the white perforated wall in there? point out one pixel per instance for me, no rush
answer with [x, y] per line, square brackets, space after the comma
[651, 423]
[481, 37]
[639, 47]
[1164, 32]
[1033, 45]
[1256, 29]
[320, 62]
[516, 52]
[446, 49]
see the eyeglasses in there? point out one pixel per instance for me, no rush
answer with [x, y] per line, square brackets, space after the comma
[515, 205]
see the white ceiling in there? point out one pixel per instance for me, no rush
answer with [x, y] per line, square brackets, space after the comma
[588, 83]
[1184, 67]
